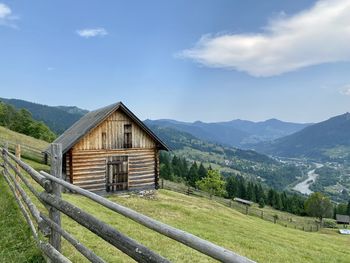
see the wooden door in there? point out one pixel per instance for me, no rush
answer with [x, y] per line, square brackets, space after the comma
[117, 173]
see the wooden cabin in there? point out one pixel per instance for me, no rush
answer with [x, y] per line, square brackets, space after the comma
[110, 149]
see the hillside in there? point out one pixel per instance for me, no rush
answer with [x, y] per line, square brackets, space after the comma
[238, 133]
[16, 244]
[327, 140]
[24, 140]
[57, 118]
[229, 160]
[250, 236]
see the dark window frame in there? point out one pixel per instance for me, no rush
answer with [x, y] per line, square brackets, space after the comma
[127, 136]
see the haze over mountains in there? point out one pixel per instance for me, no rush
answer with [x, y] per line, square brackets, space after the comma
[328, 140]
[237, 133]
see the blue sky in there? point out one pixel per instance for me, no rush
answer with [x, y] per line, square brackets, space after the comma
[186, 60]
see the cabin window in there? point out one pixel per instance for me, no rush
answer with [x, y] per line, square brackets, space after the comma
[117, 173]
[104, 141]
[127, 136]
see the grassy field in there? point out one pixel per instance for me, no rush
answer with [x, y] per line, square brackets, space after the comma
[16, 243]
[250, 236]
[8, 135]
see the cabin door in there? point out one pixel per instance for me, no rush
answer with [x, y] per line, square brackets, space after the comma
[117, 173]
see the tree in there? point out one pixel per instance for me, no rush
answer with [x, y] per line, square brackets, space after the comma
[242, 190]
[232, 187]
[192, 177]
[165, 167]
[261, 202]
[271, 197]
[319, 206]
[212, 183]
[202, 172]
[250, 192]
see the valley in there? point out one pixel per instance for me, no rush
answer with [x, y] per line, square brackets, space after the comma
[304, 186]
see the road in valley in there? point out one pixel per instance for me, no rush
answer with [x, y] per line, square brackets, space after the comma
[303, 187]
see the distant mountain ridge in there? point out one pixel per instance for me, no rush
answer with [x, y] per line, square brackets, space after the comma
[328, 139]
[237, 133]
[57, 118]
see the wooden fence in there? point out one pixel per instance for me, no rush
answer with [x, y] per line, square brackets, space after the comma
[26, 151]
[18, 173]
[277, 218]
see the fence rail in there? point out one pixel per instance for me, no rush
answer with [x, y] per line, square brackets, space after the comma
[287, 221]
[51, 228]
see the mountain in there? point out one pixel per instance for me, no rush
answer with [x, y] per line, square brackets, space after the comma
[58, 119]
[327, 140]
[229, 160]
[72, 110]
[237, 133]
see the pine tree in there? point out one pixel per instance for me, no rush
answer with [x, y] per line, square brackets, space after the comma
[192, 177]
[242, 190]
[250, 192]
[202, 172]
[271, 197]
[261, 202]
[232, 187]
[277, 201]
[184, 168]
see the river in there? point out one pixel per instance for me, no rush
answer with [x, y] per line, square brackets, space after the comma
[303, 187]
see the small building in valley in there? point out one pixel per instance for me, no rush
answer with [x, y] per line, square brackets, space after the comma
[342, 219]
[243, 201]
[111, 149]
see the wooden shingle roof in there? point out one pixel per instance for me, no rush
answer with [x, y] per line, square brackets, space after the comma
[92, 119]
[341, 219]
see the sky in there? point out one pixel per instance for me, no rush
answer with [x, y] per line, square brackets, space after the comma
[192, 60]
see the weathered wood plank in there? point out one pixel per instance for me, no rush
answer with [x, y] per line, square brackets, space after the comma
[127, 245]
[54, 214]
[80, 247]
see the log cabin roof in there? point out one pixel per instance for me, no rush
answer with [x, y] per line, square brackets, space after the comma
[342, 219]
[92, 119]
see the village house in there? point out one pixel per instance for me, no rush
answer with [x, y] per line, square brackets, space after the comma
[110, 149]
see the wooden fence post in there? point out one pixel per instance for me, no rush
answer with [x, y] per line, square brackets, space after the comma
[262, 214]
[162, 183]
[246, 210]
[18, 155]
[54, 214]
[4, 155]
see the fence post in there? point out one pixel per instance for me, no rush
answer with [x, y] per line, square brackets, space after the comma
[246, 209]
[162, 183]
[262, 214]
[4, 155]
[54, 214]
[18, 155]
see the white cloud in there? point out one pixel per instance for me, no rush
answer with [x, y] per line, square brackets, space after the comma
[345, 90]
[6, 16]
[5, 11]
[92, 32]
[314, 36]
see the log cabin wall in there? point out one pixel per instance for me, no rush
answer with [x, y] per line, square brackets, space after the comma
[87, 160]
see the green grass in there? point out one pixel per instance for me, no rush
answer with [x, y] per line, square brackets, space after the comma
[18, 138]
[249, 236]
[16, 242]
